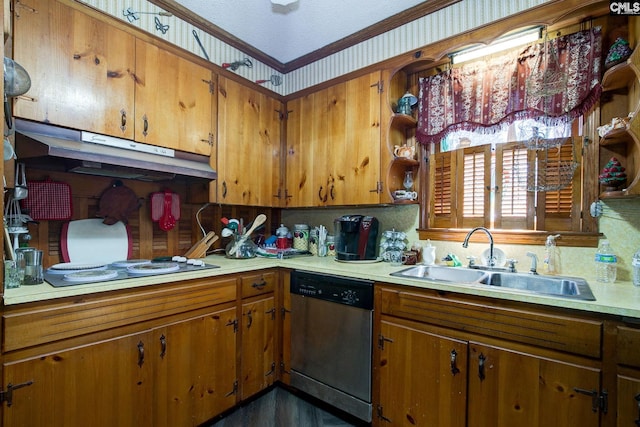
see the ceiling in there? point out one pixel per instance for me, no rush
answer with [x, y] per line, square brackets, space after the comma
[291, 36]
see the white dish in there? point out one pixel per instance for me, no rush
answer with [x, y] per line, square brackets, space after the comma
[359, 261]
[153, 268]
[130, 262]
[501, 258]
[77, 266]
[91, 276]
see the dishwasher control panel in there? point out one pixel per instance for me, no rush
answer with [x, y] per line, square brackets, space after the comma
[338, 289]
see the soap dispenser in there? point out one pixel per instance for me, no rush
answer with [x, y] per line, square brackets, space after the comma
[550, 263]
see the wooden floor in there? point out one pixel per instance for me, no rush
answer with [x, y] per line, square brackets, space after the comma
[281, 408]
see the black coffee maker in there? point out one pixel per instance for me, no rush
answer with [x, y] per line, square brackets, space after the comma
[356, 237]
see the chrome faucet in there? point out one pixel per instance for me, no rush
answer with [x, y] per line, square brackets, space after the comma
[534, 263]
[465, 244]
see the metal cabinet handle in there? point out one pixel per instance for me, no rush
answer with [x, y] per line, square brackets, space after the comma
[163, 346]
[481, 361]
[454, 357]
[140, 353]
[320, 196]
[271, 371]
[272, 312]
[595, 397]
[7, 395]
[259, 285]
[145, 127]
[637, 397]
[123, 120]
[250, 317]
[333, 193]
[224, 189]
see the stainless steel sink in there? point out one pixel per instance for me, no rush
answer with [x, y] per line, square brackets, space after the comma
[565, 287]
[442, 273]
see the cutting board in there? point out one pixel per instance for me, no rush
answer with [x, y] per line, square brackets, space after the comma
[92, 241]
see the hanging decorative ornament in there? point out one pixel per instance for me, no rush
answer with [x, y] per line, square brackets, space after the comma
[132, 15]
[274, 80]
[233, 66]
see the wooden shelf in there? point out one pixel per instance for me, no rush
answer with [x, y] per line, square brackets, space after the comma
[618, 77]
[623, 143]
[404, 120]
[616, 136]
[406, 162]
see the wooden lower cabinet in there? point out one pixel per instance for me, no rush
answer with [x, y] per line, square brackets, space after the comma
[628, 374]
[258, 363]
[99, 385]
[421, 383]
[445, 360]
[628, 398]
[178, 375]
[512, 388]
[196, 369]
[258, 332]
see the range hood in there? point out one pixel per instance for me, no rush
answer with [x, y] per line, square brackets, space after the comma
[49, 147]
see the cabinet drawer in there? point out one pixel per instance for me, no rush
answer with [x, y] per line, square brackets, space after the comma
[628, 345]
[258, 284]
[25, 327]
[515, 323]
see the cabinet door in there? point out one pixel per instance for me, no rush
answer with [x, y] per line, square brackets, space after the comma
[174, 100]
[333, 138]
[509, 388]
[354, 123]
[249, 139]
[308, 150]
[423, 378]
[628, 395]
[81, 69]
[106, 384]
[258, 355]
[196, 369]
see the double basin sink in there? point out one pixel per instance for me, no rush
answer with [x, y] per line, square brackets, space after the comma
[565, 287]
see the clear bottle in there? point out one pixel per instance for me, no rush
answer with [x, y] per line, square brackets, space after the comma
[606, 263]
[635, 264]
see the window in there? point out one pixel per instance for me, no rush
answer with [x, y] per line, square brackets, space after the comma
[502, 184]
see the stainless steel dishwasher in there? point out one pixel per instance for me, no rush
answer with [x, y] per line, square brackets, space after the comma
[331, 340]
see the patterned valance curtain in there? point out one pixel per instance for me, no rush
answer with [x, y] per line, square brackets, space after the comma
[486, 94]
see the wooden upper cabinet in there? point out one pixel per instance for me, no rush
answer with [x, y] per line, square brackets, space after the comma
[173, 101]
[249, 139]
[81, 69]
[333, 145]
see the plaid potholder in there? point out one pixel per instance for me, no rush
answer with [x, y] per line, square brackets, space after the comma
[48, 200]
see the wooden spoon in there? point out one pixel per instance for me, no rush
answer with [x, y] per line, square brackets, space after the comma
[260, 219]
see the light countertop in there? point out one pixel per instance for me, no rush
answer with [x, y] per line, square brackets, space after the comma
[620, 298]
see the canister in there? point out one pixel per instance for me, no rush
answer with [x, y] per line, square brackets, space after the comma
[313, 241]
[301, 237]
[331, 245]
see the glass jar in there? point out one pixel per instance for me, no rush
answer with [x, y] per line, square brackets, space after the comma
[301, 237]
[245, 248]
[331, 245]
[313, 241]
